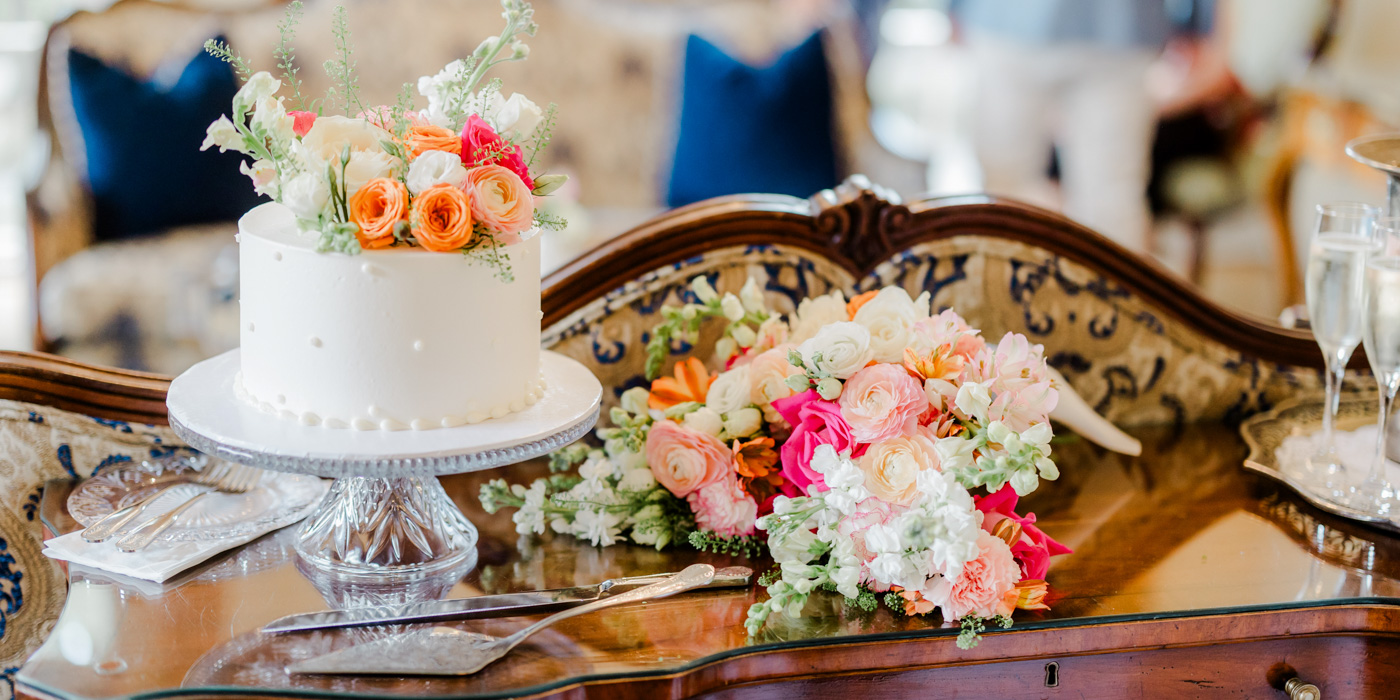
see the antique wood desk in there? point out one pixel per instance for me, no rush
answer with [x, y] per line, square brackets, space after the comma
[1190, 577]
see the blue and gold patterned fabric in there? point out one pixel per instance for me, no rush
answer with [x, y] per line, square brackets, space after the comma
[38, 444]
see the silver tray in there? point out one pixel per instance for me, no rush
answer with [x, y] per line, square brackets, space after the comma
[1265, 432]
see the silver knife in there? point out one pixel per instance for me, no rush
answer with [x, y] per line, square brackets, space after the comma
[486, 606]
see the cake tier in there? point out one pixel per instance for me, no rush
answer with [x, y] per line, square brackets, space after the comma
[387, 339]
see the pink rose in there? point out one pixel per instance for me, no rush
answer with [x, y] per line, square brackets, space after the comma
[684, 460]
[724, 508]
[1034, 549]
[302, 121]
[983, 584]
[814, 422]
[882, 401]
[501, 202]
[482, 145]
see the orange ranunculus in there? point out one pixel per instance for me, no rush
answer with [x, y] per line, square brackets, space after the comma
[755, 458]
[426, 137]
[442, 218]
[376, 208]
[691, 383]
[858, 301]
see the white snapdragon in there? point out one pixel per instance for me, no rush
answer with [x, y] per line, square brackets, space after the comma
[729, 392]
[704, 291]
[225, 135]
[732, 307]
[752, 297]
[306, 194]
[516, 117]
[261, 84]
[839, 349]
[890, 317]
[815, 312]
[263, 173]
[436, 168]
[270, 119]
[439, 90]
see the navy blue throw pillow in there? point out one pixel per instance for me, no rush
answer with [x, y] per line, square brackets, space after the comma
[746, 129]
[144, 166]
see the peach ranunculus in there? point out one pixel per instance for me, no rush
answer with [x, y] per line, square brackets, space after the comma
[892, 466]
[983, 584]
[882, 401]
[768, 373]
[377, 208]
[442, 219]
[690, 384]
[501, 200]
[684, 460]
[427, 137]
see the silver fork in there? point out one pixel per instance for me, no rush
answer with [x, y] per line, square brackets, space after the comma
[113, 522]
[236, 479]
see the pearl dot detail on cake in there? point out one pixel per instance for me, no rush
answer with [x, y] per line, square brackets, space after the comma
[418, 345]
[315, 342]
[277, 255]
[251, 327]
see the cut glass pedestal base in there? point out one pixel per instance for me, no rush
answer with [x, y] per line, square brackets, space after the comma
[402, 527]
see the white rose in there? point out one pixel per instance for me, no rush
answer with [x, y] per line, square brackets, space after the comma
[516, 116]
[435, 168]
[327, 138]
[637, 480]
[306, 195]
[365, 166]
[814, 313]
[844, 348]
[270, 118]
[260, 85]
[730, 392]
[703, 420]
[225, 135]
[743, 422]
[890, 317]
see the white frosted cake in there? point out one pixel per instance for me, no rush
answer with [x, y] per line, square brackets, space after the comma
[388, 339]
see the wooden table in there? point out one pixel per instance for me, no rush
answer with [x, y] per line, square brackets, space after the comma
[1190, 578]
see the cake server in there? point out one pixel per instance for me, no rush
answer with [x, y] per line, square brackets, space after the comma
[486, 606]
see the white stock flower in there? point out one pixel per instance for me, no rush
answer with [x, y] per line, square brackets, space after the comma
[813, 313]
[436, 168]
[597, 526]
[703, 290]
[744, 335]
[890, 317]
[438, 89]
[595, 469]
[530, 517]
[516, 117]
[732, 307]
[743, 422]
[637, 480]
[261, 84]
[306, 194]
[844, 349]
[703, 420]
[974, 398]
[730, 392]
[225, 135]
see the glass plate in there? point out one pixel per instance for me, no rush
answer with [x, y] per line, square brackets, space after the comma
[278, 500]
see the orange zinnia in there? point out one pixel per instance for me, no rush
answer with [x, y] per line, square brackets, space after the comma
[377, 208]
[426, 137]
[691, 383]
[755, 458]
[858, 301]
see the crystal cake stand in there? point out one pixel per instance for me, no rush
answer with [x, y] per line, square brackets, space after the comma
[386, 516]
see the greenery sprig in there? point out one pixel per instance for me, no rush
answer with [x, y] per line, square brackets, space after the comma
[345, 90]
[224, 52]
[739, 546]
[286, 54]
[973, 627]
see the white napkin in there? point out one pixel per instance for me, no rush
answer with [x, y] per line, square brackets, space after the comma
[158, 562]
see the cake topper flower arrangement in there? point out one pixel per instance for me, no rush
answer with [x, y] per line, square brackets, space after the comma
[452, 176]
[874, 448]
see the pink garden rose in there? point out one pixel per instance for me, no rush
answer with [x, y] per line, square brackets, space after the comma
[882, 401]
[684, 460]
[302, 121]
[724, 508]
[481, 145]
[814, 422]
[1034, 549]
[501, 202]
[983, 584]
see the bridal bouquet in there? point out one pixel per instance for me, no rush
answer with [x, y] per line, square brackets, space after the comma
[879, 448]
[453, 176]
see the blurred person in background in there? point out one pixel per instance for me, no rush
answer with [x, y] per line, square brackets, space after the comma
[1072, 75]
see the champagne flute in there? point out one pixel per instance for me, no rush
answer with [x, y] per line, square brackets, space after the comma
[1382, 341]
[1342, 241]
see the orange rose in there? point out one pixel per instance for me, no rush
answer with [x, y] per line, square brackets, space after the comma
[426, 137]
[376, 208]
[442, 218]
[500, 199]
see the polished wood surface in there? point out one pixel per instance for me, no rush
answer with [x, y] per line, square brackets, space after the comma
[101, 392]
[1191, 578]
[858, 227]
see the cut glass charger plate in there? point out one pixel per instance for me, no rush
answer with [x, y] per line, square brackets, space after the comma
[277, 501]
[1281, 439]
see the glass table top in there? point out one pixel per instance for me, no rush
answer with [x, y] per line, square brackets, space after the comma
[1182, 530]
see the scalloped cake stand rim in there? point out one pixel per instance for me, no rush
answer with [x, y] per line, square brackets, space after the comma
[206, 414]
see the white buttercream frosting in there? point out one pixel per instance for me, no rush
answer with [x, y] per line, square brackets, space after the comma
[389, 339]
